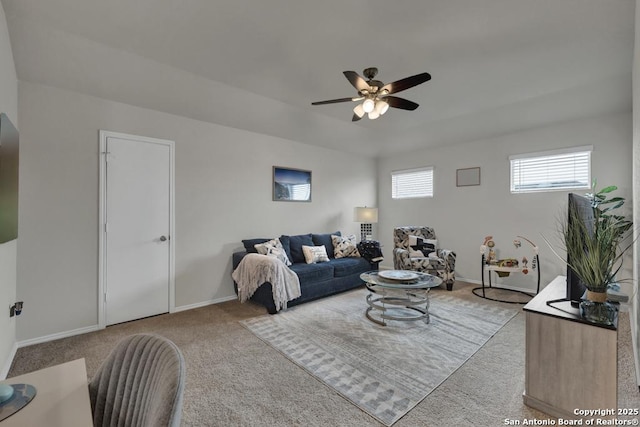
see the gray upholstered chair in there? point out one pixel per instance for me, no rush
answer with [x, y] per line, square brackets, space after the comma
[140, 383]
[442, 263]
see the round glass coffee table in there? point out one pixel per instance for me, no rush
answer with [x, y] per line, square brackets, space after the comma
[398, 295]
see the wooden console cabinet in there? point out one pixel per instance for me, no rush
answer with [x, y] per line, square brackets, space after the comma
[570, 364]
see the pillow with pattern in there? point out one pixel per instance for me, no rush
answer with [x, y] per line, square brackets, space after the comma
[344, 246]
[421, 247]
[313, 254]
[273, 248]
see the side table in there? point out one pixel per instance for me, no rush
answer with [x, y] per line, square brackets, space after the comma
[398, 299]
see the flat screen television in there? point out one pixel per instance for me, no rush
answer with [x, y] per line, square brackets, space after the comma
[579, 208]
[9, 160]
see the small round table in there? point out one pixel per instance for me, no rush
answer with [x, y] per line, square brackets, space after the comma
[398, 295]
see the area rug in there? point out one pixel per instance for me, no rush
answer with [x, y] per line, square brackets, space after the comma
[384, 370]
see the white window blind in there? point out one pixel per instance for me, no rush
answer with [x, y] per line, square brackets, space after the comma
[412, 183]
[555, 170]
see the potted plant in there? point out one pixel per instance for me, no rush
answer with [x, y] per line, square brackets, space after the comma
[595, 249]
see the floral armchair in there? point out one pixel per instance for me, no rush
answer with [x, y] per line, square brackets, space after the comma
[409, 255]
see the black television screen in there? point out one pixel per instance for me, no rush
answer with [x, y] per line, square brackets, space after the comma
[579, 209]
[9, 159]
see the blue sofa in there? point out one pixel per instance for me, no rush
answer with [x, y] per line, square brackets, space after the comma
[316, 280]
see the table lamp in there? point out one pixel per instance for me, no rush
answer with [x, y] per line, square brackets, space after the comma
[366, 217]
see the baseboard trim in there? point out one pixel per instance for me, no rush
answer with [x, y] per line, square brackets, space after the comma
[80, 331]
[9, 362]
[472, 281]
[58, 335]
[203, 303]
[497, 285]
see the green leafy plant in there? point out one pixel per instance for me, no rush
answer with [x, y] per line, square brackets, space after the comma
[595, 250]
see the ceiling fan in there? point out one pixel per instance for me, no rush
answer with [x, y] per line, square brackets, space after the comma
[376, 96]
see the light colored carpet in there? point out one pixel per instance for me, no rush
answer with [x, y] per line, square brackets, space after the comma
[384, 370]
[235, 379]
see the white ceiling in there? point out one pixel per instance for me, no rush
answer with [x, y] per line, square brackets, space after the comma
[497, 66]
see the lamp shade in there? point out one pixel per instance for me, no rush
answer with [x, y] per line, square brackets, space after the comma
[358, 110]
[381, 107]
[368, 105]
[366, 215]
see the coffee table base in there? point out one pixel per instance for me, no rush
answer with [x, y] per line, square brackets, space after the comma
[408, 306]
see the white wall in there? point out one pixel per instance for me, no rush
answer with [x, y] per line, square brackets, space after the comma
[223, 195]
[8, 105]
[463, 216]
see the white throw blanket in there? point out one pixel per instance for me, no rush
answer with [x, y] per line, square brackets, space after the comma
[255, 269]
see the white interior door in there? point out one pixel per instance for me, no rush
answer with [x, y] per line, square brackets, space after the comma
[137, 227]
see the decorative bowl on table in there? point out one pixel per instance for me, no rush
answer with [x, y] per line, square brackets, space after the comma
[398, 275]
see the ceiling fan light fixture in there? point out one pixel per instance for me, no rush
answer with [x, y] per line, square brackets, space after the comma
[376, 96]
[381, 107]
[368, 105]
[358, 110]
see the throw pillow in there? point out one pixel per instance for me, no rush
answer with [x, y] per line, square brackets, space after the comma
[325, 239]
[273, 248]
[344, 246]
[419, 245]
[313, 254]
[249, 244]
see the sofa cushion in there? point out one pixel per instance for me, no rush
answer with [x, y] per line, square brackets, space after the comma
[347, 266]
[325, 240]
[295, 246]
[249, 244]
[284, 240]
[310, 273]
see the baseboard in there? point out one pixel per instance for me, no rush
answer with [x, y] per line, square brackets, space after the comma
[203, 304]
[472, 281]
[57, 336]
[94, 328]
[9, 361]
[496, 285]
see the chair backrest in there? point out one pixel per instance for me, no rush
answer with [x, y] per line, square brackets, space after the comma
[401, 235]
[140, 383]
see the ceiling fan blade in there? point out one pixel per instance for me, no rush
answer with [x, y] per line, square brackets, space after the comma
[403, 104]
[406, 83]
[357, 81]
[335, 101]
[356, 117]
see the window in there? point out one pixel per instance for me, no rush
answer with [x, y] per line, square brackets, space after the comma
[552, 170]
[412, 183]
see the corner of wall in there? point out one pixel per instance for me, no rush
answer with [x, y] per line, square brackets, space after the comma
[8, 251]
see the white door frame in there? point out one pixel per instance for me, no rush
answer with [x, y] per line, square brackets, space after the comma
[102, 241]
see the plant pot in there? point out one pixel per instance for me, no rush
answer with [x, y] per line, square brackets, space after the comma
[596, 309]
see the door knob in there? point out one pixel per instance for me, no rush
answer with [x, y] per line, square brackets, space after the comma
[163, 238]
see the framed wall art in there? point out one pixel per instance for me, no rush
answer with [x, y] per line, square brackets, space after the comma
[467, 177]
[291, 185]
